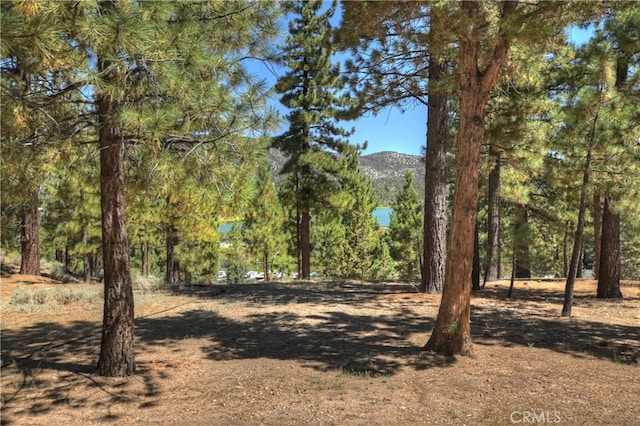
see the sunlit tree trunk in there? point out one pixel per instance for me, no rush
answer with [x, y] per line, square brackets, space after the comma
[475, 272]
[577, 242]
[305, 244]
[116, 350]
[29, 236]
[565, 250]
[452, 332]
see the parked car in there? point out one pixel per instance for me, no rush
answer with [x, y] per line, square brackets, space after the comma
[221, 276]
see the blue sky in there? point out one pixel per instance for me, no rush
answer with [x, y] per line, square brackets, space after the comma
[392, 130]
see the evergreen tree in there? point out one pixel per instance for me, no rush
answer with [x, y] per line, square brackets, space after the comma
[36, 112]
[623, 39]
[405, 230]
[597, 113]
[399, 61]
[159, 74]
[485, 31]
[263, 222]
[71, 212]
[329, 245]
[361, 230]
[313, 143]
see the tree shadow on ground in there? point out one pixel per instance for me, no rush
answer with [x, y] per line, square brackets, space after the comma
[532, 318]
[326, 341]
[323, 338]
[331, 340]
[316, 293]
[52, 359]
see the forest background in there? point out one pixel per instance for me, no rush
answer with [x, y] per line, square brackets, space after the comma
[156, 101]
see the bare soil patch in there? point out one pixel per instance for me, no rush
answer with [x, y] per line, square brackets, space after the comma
[323, 353]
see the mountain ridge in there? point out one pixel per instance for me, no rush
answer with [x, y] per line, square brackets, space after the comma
[385, 169]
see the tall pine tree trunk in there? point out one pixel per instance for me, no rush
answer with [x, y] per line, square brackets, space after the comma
[305, 244]
[59, 255]
[521, 243]
[475, 272]
[86, 256]
[608, 251]
[610, 254]
[435, 204]
[597, 233]
[29, 236]
[116, 349]
[265, 265]
[565, 250]
[173, 266]
[579, 236]
[146, 264]
[493, 241]
[452, 332]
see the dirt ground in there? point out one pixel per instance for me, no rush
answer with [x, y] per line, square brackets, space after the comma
[326, 353]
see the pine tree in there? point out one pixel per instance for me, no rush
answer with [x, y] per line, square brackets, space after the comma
[597, 114]
[361, 230]
[163, 74]
[36, 115]
[263, 222]
[405, 230]
[71, 218]
[485, 32]
[400, 62]
[622, 34]
[313, 143]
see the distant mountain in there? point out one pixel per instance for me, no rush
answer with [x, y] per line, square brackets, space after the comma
[385, 169]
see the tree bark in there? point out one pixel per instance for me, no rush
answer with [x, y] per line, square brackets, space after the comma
[452, 332]
[265, 266]
[67, 257]
[565, 250]
[521, 244]
[493, 240]
[475, 272]
[577, 242]
[597, 233]
[29, 236]
[146, 263]
[435, 197]
[116, 349]
[610, 254]
[86, 261]
[305, 244]
[173, 266]
[59, 255]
